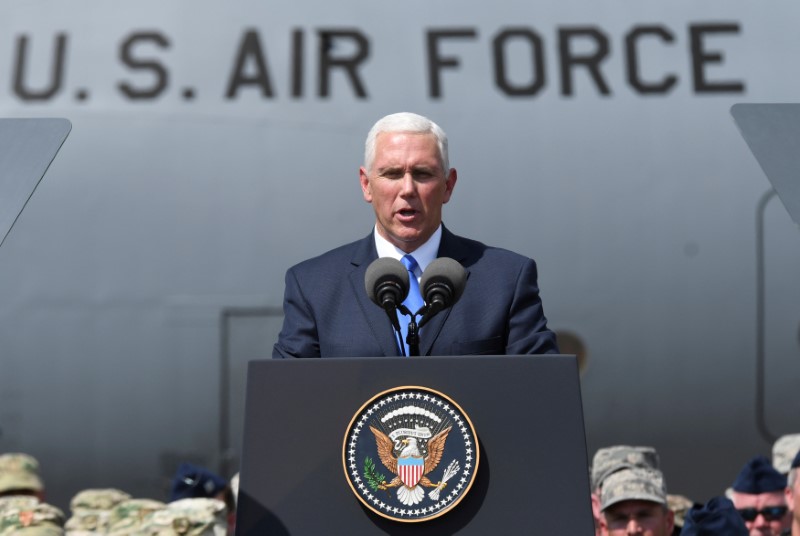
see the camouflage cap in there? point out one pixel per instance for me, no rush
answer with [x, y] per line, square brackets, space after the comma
[784, 450]
[679, 505]
[19, 471]
[610, 459]
[635, 484]
[97, 499]
[128, 516]
[40, 519]
[188, 517]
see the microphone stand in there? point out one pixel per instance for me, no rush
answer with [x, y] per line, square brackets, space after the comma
[412, 339]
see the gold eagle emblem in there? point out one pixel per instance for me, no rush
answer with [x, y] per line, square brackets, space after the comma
[410, 482]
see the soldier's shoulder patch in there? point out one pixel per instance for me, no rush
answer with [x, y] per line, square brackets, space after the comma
[410, 454]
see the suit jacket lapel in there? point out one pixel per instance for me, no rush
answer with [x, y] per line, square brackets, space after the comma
[376, 318]
[454, 247]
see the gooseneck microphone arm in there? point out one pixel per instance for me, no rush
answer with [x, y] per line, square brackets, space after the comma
[412, 339]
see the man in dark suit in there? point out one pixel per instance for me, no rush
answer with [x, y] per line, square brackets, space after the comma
[407, 179]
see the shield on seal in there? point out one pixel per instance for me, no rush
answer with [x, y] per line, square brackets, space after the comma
[410, 469]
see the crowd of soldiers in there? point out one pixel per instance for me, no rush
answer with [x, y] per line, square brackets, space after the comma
[629, 496]
[200, 504]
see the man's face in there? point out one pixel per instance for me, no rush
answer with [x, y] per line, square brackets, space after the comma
[407, 187]
[640, 518]
[763, 525]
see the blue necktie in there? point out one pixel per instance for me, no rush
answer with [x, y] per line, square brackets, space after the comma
[414, 299]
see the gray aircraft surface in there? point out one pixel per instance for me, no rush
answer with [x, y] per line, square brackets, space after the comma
[214, 144]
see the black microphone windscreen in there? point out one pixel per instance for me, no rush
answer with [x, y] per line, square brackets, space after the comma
[447, 271]
[386, 271]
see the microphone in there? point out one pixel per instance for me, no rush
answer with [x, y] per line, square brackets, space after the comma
[442, 284]
[386, 282]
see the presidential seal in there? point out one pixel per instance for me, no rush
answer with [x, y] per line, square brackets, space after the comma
[410, 454]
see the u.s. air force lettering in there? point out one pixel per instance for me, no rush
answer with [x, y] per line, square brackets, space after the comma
[410, 454]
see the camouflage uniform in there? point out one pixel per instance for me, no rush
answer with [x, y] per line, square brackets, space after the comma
[128, 517]
[91, 510]
[26, 516]
[18, 501]
[188, 517]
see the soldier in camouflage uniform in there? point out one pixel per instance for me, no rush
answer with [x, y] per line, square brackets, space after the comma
[91, 510]
[19, 475]
[25, 516]
[634, 501]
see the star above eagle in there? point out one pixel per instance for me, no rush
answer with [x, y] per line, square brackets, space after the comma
[410, 490]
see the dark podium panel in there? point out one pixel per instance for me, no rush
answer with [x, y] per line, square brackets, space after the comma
[532, 477]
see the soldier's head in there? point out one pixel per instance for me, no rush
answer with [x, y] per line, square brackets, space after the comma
[758, 495]
[608, 460]
[91, 509]
[19, 475]
[634, 501]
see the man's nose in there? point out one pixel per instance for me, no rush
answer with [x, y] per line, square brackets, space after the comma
[634, 527]
[760, 521]
[408, 186]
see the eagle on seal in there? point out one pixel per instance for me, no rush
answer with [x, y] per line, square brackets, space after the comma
[409, 466]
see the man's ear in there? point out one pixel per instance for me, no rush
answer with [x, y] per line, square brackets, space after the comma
[365, 187]
[450, 183]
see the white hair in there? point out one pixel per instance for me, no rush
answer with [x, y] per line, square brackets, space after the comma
[405, 122]
[792, 477]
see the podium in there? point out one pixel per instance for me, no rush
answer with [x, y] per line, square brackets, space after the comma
[531, 477]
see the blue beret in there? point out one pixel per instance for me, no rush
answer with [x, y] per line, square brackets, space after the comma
[718, 516]
[758, 476]
[796, 462]
[192, 481]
